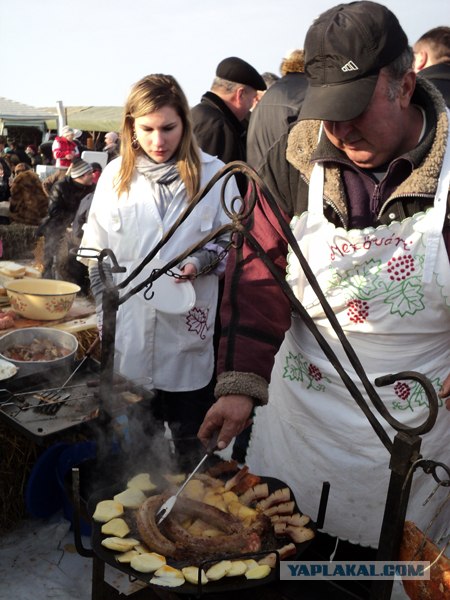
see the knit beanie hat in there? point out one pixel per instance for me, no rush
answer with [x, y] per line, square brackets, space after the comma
[80, 168]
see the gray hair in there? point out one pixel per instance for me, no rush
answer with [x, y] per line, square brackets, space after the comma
[227, 86]
[396, 70]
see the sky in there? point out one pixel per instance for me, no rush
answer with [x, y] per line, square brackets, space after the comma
[90, 52]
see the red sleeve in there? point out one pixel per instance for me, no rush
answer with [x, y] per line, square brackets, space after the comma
[255, 313]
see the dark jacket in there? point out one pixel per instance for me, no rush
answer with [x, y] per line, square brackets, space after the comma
[251, 334]
[275, 112]
[64, 199]
[217, 130]
[439, 75]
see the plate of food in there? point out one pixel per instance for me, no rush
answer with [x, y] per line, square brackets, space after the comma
[229, 532]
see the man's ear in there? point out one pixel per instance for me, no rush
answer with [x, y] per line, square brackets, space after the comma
[407, 88]
[420, 60]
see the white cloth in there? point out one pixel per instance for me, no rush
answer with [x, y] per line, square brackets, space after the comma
[172, 352]
[373, 279]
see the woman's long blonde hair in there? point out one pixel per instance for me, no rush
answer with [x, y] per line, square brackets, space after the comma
[148, 95]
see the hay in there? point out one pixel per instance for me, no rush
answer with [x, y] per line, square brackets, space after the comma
[19, 241]
[17, 458]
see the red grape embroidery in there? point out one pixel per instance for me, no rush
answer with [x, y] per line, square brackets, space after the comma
[402, 390]
[357, 310]
[401, 267]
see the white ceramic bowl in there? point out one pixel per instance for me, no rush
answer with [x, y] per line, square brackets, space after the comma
[41, 299]
[24, 337]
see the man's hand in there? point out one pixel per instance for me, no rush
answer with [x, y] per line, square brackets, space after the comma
[445, 391]
[230, 414]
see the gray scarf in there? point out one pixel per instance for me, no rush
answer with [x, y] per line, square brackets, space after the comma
[164, 179]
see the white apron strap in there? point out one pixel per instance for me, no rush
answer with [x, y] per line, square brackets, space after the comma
[316, 185]
[440, 205]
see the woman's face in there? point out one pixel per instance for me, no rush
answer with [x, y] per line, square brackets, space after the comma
[159, 133]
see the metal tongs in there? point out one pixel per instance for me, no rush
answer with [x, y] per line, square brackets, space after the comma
[168, 505]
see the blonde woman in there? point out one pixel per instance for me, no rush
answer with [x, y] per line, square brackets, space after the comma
[138, 198]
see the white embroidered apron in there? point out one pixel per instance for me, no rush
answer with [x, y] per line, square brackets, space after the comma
[390, 290]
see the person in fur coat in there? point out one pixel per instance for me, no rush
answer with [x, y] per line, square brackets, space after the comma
[29, 202]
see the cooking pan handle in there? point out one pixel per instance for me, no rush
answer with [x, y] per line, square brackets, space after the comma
[430, 392]
[82, 551]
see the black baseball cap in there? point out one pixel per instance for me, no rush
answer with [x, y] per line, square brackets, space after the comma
[237, 70]
[345, 48]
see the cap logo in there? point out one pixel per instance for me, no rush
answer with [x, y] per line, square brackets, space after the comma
[349, 66]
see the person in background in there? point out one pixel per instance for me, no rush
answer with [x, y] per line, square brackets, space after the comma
[138, 198]
[33, 155]
[64, 149]
[29, 202]
[219, 119]
[366, 163]
[269, 79]
[64, 199]
[82, 213]
[432, 58]
[278, 108]
[5, 175]
[111, 145]
[3, 144]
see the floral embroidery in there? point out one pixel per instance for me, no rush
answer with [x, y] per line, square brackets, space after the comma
[196, 321]
[412, 395]
[396, 284]
[297, 368]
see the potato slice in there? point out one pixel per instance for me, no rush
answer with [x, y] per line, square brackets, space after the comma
[116, 527]
[191, 575]
[195, 489]
[119, 544]
[168, 576]
[142, 482]
[218, 570]
[251, 563]
[175, 478]
[125, 557]
[131, 498]
[107, 510]
[238, 567]
[258, 572]
[147, 563]
[142, 549]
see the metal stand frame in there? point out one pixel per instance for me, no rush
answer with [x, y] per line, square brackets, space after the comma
[404, 449]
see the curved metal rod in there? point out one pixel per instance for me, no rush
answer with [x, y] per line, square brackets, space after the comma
[238, 215]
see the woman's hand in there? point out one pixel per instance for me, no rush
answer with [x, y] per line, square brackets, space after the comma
[189, 271]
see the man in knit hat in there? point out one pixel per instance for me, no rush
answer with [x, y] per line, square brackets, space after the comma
[220, 118]
[64, 199]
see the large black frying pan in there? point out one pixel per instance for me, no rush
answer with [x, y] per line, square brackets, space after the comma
[227, 584]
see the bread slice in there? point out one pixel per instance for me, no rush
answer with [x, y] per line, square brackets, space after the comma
[12, 269]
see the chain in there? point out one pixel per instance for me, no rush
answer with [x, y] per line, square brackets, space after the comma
[206, 269]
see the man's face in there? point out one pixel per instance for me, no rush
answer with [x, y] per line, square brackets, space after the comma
[86, 179]
[382, 132]
[246, 100]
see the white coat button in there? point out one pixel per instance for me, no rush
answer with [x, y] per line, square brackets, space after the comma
[392, 215]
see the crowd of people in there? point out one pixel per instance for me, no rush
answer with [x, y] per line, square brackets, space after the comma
[352, 141]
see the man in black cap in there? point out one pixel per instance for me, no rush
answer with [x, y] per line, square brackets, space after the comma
[362, 183]
[64, 199]
[220, 118]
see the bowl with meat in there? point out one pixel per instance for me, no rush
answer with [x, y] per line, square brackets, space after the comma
[41, 299]
[38, 347]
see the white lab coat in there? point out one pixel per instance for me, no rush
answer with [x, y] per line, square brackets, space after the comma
[169, 352]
